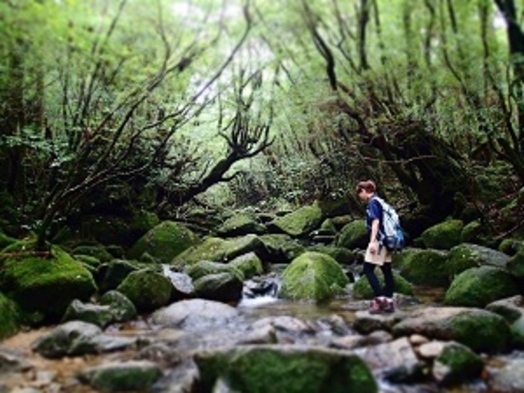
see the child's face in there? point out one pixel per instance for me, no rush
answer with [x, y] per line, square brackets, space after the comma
[363, 194]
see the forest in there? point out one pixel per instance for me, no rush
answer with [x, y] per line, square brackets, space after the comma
[120, 107]
[178, 202]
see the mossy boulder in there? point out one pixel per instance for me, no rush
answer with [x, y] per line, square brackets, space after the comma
[477, 287]
[147, 290]
[220, 250]
[211, 249]
[285, 369]
[313, 276]
[9, 317]
[340, 254]
[241, 224]
[44, 283]
[512, 310]
[473, 232]
[96, 314]
[97, 251]
[353, 235]
[456, 364]
[480, 330]
[281, 248]
[122, 376]
[222, 287]
[443, 236]
[426, 267]
[399, 258]
[249, 264]
[204, 268]
[300, 222]
[164, 242]
[467, 255]
[515, 265]
[120, 306]
[328, 226]
[110, 275]
[511, 246]
[362, 289]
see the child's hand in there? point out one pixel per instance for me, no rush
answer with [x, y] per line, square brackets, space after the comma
[373, 247]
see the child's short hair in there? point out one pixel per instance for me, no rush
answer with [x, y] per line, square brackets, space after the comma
[367, 185]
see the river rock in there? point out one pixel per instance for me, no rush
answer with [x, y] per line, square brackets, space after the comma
[479, 286]
[122, 376]
[285, 369]
[480, 330]
[78, 338]
[196, 314]
[455, 364]
[510, 378]
[395, 360]
[99, 315]
[147, 289]
[313, 276]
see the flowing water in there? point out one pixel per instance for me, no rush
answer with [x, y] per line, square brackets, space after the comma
[62, 371]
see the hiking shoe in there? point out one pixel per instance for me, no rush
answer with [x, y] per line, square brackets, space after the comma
[375, 307]
[387, 306]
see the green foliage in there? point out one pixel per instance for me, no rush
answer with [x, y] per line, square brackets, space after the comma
[93, 93]
[9, 317]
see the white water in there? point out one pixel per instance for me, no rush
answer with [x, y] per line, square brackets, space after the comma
[257, 301]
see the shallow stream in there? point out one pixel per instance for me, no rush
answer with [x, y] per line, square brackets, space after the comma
[53, 376]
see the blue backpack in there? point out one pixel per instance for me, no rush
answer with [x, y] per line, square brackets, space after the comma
[393, 236]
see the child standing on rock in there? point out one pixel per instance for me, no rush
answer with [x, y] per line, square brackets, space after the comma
[376, 253]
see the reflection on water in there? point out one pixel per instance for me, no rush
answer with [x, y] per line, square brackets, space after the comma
[266, 306]
[346, 306]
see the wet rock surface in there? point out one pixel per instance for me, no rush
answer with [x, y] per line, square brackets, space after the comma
[158, 353]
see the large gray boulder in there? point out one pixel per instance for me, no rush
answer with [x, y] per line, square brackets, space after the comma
[194, 314]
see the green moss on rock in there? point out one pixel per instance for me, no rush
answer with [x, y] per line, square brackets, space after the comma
[466, 256]
[286, 370]
[147, 290]
[443, 236]
[426, 267]
[354, 235]
[164, 242]
[458, 363]
[488, 333]
[313, 276]
[9, 317]
[477, 287]
[299, 222]
[44, 284]
[211, 249]
[516, 265]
